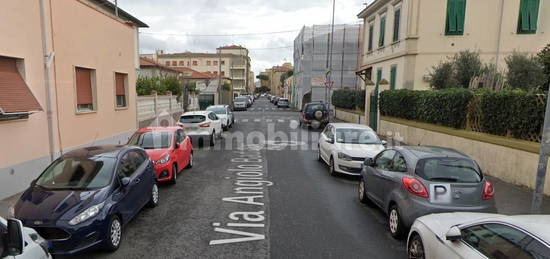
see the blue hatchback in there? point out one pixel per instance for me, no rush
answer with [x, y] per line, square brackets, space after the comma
[84, 198]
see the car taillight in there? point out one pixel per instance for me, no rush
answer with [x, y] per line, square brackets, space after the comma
[204, 125]
[488, 191]
[415, 187]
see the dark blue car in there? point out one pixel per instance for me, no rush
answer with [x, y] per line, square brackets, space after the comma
[84, 198]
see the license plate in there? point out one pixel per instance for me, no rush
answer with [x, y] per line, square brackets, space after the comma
[192, 128]
[440, 193]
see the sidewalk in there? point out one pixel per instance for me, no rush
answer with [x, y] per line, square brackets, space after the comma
[513, 200]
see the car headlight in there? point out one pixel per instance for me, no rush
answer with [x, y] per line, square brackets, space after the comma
[11, 212]
[164, 159]
[87, 214]
[344, 156]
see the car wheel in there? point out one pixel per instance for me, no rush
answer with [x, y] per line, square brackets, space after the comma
[114, 236]
[213, 139]
[331, 169]
[363, 192]
[397, 230]
[416, 248]
[190, 161]
[154, 200]
[174, 174]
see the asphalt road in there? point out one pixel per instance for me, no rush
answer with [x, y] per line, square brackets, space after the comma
[259, 193]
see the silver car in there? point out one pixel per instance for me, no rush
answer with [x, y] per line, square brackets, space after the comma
[408, 182]
[240, 103]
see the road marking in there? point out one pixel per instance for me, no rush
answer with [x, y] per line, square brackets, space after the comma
[281, 120]
[244, 120]
[268, 120]
[257, 120]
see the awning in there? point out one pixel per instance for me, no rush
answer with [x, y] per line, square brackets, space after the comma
[15, 95]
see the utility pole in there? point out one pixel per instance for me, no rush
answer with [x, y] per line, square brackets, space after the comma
[330, 57]
[220, 75]
[543, 161]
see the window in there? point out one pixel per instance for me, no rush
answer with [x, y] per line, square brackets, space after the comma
[187, 63]
[208, 63]
[384, 159]
[501, 241]
[456, 11]
[396, 23]
[378, 76]
[215, 72]
[399, 163]
[77, 173]
[223, 62]
[223, 73]
[454, 170]
[84, 90]
[215, 63]
[371, 34]
[382, 31]
[167, 63]
[195, 63]
[181, 63]
[393, 77]
[16, 98]
[528, 16]
[174, 63]
[120, 88]
[151, 140]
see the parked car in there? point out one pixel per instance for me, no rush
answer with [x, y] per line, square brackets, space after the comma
[283, 103]
[314, 114]
[169, 148]
[19, 242]
[250, 100]
[84, 199]
[225, 113]
[240, 103]
[479, 235]
[345, 146]
[276, 100]
[408, 182]
[202, 124]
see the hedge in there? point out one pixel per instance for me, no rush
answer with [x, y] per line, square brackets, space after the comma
[513, 113]
[349, 99]
[444, 107]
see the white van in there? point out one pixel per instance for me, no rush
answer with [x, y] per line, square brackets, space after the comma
[18, 242]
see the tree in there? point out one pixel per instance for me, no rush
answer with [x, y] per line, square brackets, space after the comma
[263, 77]
[443, 76]
[262, 89]
[525, 72]
[467, 65]
[171, 84]
[544, 58]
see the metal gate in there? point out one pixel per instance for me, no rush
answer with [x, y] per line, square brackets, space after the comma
[205, 100]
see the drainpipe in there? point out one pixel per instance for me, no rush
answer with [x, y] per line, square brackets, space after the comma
[48, 58]
[499, 33]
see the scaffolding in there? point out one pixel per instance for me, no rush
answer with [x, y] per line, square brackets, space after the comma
[312, 60]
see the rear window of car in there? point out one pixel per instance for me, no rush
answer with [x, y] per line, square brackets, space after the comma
[216, 110]
[313, 107]
[240, 99]
[454, 170]
[192, 118]
[283, 100]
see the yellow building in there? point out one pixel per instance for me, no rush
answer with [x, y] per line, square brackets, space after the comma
[275, 73]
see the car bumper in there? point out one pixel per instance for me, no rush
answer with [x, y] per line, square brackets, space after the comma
[413, 208]
[163, 172]
[348, 167]
[198, 133]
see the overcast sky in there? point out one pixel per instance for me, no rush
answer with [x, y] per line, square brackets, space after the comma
[170, 20]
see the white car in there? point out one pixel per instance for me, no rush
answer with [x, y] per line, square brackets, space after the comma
[479, 235]
[18, 242]
[202, 124]
[345, 146]
[240, 103]
[225, 113]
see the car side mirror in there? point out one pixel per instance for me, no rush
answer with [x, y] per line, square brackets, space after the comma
[15, 241]
[454, 234]
[125, 181]
[384, 143]
[369, 162]
[330, 140]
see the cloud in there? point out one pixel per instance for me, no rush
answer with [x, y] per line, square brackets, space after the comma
[171, 21]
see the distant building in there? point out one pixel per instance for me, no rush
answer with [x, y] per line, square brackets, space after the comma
[312, 61]
[91, 98]
[274, 75]
[151, 68]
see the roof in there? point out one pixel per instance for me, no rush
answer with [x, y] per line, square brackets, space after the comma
[432, 151]
[232, 47]
[197, 55]
[197, 113]
[196, 74]
[110, 7]
[372, 8]
[149, 129]
[145, 62]
[538, 225]
[102, 151]
[350, 125]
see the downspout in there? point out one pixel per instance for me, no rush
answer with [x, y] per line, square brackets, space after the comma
[499, 34]
[48, 58]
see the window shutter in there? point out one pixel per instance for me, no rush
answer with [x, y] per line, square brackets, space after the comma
[120, 80]
[371, 34]
[534, 14]
[461, 13]
[15, 95]
[524, 15]
[382, 32]
[451, 15]
[84, 86]
[396, 23]
[393, 75]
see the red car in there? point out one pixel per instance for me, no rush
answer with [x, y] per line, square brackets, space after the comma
[168, 147]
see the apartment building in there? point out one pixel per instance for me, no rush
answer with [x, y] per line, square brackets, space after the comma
[229, 61]
[85, 96]
[404, 39]
[274, 75]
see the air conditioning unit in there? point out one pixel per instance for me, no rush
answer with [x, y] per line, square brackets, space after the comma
[427, 78]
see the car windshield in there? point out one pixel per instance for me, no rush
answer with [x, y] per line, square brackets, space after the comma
[240, 99]
[217, 110]
[151, 140]
[314, 107]
[449, 170]
[356, 136]
[192, 118]
[283, 100]
[77, 173]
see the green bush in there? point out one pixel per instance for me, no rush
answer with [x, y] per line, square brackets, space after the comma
[467, 65]
[399, 103]
[360, 99]
[348, 98]
[443, 76]
[525, 72]
[544, 58]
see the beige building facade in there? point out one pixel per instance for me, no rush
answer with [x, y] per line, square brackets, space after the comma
[274, 74]
[91, 93]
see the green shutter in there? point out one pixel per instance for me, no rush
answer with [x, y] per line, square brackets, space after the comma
[524, 15]
[451, 16]
[528, 16]
[378, 76]
[371, 34]
[534, 14]
[461, 13]
[393, 75]
[382, 31]
[396, 22]
[456, 15]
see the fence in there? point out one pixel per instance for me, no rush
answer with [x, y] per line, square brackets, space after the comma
[155, 110]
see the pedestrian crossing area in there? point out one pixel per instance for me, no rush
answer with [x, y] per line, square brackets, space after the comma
[266, 109]
[268, 120]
